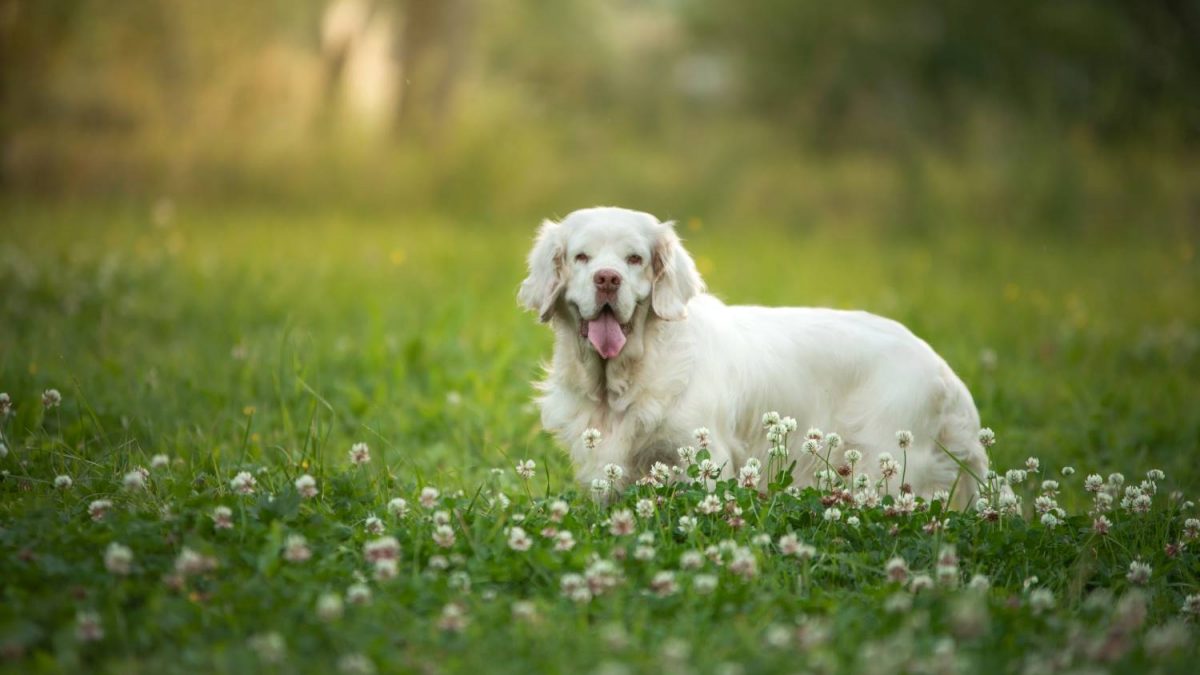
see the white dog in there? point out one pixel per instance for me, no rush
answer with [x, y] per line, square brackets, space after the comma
[645, 356]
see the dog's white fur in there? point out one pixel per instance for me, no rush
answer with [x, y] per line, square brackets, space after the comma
[691, 361]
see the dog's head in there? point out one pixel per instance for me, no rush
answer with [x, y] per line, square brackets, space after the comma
[598, 267]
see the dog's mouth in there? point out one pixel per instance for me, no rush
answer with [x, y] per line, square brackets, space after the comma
[605, 332]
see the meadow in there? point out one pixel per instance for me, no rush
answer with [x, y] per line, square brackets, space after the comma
[209, 357]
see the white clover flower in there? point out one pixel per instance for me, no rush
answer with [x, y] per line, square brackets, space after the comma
[355, 664]
[600, 486]
[373, 525]
[921, 582]
[591, 438]
[709, 470]
[429, 497]
[360, 454]
[644, 553]
[1068, 471]
[559, 510]
[524, 610]
[1140, 504]
[1155, 474]
[1033, 465]
[614, 473]
[744, 564]
[789, 544]
[1015, 477]
[1041, 600]
[5, 404]
[1093, 483]
[979, 582]
[244, 483]
[704, 584]
[51, 398]
[1191, 605]
[358, 594]
[295, 549]
[269, 647]
[564, 541]
[329, 607]
[645, 508]
[443, 535]
[663, 584]
[686, 525]
[940, 496]
[384, 548]
[190, 562]
[702, 437]
[1116, 479]
[160, 461]
[691, 560]
[306, 485]
[388, 569]
[810, 447]
[1191, 529]
[518, 540]
[1050, 487]
[832, 514]
[852, 456]
[621, 523]
[525, 468]
[64, 482]
[118, 559]
[134, 480]
[833, 441]
[1139, 573]
[660, 472]
[709, 505]
[88, 627]
[896, 570]
[898, 603]
[770, 419]
[397, 507]
[904, 439]
[1050, 520]
[687, 455]
[749, 476]
[987, 437]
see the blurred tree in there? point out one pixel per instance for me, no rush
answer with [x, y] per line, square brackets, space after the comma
[433, 52]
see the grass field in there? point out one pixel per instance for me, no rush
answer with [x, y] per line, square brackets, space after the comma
[240, 339]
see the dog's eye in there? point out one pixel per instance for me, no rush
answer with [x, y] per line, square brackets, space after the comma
[634, 260]
[582, 258]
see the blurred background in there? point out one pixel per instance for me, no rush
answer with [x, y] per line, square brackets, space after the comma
[1069, 116]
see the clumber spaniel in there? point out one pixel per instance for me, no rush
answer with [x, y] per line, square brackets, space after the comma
[643, 354]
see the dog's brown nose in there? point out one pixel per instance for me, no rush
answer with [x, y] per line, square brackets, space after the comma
[607, 280]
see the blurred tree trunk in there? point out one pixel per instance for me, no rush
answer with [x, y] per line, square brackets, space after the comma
[434, 41]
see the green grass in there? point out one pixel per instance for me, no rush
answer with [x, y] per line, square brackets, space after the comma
[239, 339]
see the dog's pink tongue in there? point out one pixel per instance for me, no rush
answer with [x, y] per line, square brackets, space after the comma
[606, 335]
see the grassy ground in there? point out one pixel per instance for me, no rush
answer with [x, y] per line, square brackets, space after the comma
[235, 339]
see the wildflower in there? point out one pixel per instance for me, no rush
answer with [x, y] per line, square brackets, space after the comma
[397, 507]
[709, 505]
[814, 434]
[524, 610]
[1093, 483]
[687, 455]
[888, 467]
[134, 480]
[373, 525]
[51, 398]
[559, 510]
[832, 514]
[306, 485]
[904, 439]
[99, 508]
[118, 559]
[1116, 479]
[222, 518]
[63, 482]
[1191, 529]
[1041, 600]
[243, 483]
[896, 570]
[789, 544]
[810, 447]
[159, 461]
[329, 607]
[663, 584]
[1033, 465]
[702, 437]
[1140, 504]
[1015, 477]
[270, 647]
[614, 473]
[501, 501]
[659, 473]
[525, 468]
[744, 564]
[833, 441]
[704, 583]
[602, 576]
[770, 419]
[443, 536]
[921, 582]
[358, 594]
[429, 497]
[1050, 487]
[1139, 573]
[574, 587]
[645, 508]
[906, 503]
[87, 625]
[386, 570]
[190, 562]
[643, 553]
[898, 603]
[439, 562]
[691, 560]
[564, 541]
[360, 453]
[709, 470]
[1155, 474]
[852, 456]
[591, 438]
[1101, 525]
[1050, 520]
[1191, 605]
[600, 486]
[621, 523]
[295, 549]
[979, 582]
[5, 404]
[987, 437]
[518, 540]
[748, 476]
[940, 496]
[356, 664]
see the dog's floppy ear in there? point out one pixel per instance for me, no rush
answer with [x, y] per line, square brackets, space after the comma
[546, 281]
[675, 277]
